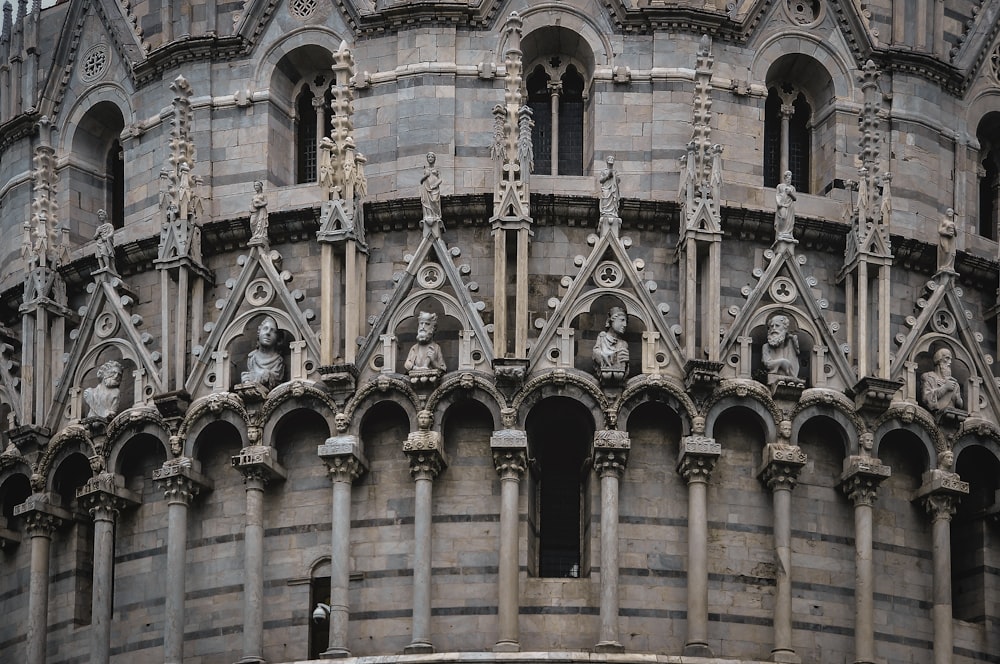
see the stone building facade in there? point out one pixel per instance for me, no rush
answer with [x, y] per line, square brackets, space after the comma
[499, 331]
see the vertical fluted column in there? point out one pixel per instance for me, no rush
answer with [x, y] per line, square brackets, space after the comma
[180, 483]
[258, 466]
[346, 463]
[611, 450]
[695, 463]
[425, 452]
[860, 481]
[510, 456]
[40, 518]
[104, 497]
[779, 471]
[940, 494]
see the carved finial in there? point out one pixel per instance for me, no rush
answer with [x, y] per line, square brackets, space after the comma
[7, 22]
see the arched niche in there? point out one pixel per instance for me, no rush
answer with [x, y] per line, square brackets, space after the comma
[96, 166]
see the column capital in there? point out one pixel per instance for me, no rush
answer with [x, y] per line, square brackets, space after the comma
[781, 465]
[104, 496]
[940, 492]
[258, 463]
[861, 478]
[696, 458]
[610, 450]
[426, 464]
[41, 514]
[343, 458]
[510, 453]
[180, 480]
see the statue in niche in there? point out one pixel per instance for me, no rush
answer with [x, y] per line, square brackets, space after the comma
[105, 252]
[265, 364]
[325, 165]
[780, 353]
[185, 194]
[430, 189]
[258, 216]
[611, 349]
[946, 242]
[784, 214]
[940, 390]
[425, 357]
[102, 400]
[610, 189]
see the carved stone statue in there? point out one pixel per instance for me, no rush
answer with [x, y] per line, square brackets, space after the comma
[425, 356]
[946, 242]
[258, 216]
[430, 189]
[610, 189]
[185, 193]
[610, 349]
[784, 214]
[780, 353]
[940, 389]
[105, 251]
[102, 400]
[265, 364]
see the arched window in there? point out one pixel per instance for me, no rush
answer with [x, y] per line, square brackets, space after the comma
[988, 134]
[114, 169]
[971, 536]
[97, 170]
[787, 117]
[560, 436]
[559, 65]
[306, 141]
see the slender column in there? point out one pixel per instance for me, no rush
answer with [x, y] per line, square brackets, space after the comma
[258, 467]
[318, 102]
[695, 463]
[104, 498]
[779, 471]
[345, 462]
[521, 303]
[500, 287]
[940, 494]
[510, 457]
[426, 456]
[787, 109]
[860, 481]
[180, 483]
[40, 518]
[555, 89]
[611, 450]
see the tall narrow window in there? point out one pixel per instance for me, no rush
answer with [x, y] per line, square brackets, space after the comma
[988, 134]
[971, 535]
[115, 173]
[772, 139]
[787, 140]
[571, 123]
[798, 143]
[306, 141]
[541, 112]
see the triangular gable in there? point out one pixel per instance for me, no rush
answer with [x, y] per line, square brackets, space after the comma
[754, 16]
[782, 287]
[84, 25]
[981, 39]
[259, 290]
[106, 325]
[660, 354]
[419, 282]
[943, 318]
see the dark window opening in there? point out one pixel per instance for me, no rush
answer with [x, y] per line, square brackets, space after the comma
[798, 144]
[571, 123]
[306, 140]
[539, 101]
[989, 187]
[772, 139]
[115, 170]
[971, 535]
[319, 629]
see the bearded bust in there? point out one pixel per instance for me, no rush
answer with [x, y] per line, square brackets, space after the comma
[940, 389]
[780, 353]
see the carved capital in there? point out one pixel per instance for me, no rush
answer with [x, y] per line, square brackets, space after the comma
[940, 492]
[39, 516]
[510, 453]
[861, 478]
[781, 466]
[697, 457]
[426, 464]
[104, 496]
[422, 440]
[610, 462]
[940, 505]
[258, 464]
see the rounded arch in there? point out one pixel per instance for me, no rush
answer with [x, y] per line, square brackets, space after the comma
[796, 53]
[70, 471]
[71, 439]
[222, 407]
[540, 17]
[458, 389]
[749, 395]
[150, 429]
[659, 391]
[293, 396]
[376, 392]
[988, 439]
[138, 457]
[101, 97]
[301, 50]
[925, 438]
[983, 104]
[833, 409]
[15, 488]
[562, 382]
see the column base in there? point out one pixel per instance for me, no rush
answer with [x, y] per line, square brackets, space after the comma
[507, 646]
[335, 653]
[785, 656]
[609, 646]
[418, 648]
[251, 659]
[697, 650]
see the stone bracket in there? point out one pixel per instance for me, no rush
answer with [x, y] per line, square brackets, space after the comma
[787, 388]
[510, 371]
[340, 379]
[27, 435]
[873, 395]
[938, 482]
[702, 376]
[112, 485]
[259, 459]
[950, 418]
[696, 457]
[861, 478]
[780, 465]
[183, 467]
[343, 454]
[172, 404]
[251, 393]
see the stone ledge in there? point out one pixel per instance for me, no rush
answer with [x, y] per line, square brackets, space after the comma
[566, 657]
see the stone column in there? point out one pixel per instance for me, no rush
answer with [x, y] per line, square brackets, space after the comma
[346, 463]
[779, 471]
[787, 111]
[860, 480]
[555, 89]
[940, 493]
[510, 456]
[41, 516]
[180, 482]
[104, 496]
[258, 465]
[695, 463]
[425, 452]
[611, 450]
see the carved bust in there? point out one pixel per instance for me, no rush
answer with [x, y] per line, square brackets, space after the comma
[102, 400]
[780, 352]
[939, 389]
[425, 355]
[611, 350]
[265, 364]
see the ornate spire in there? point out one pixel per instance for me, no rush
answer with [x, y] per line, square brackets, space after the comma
[512, 149]
[7, 22]
[700, 184]
[874, 202]
[179, 197]
[702, 134]
[43, 244]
